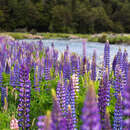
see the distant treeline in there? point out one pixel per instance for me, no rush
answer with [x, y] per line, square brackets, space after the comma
[69, 16]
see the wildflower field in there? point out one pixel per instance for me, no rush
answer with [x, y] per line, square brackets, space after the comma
[41, 89]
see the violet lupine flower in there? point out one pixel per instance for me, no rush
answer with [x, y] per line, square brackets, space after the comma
[93, 67]
[60, 93]
[58, 121]
[24, 101]
[69, 119]
[12, 78]
[120, 81]
[47, 70]
[16, 73]
[1, 77]
[3, 95]
[119, 58]
[84, 60]
[40, 46]
[66, 69]
[7, 68]
[107, 125]
[114, 63]
[88, 65]
[66, 53]
[126, 103]
[75, 83]
[118, 114]
[104, 94]
[36, 78]
[70, 100]
[45, 122]
[103, 98]
[107, 56]
[90, 114]
[125, 63]
[75, 64]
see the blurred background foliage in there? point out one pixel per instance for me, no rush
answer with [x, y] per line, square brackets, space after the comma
[68, 16]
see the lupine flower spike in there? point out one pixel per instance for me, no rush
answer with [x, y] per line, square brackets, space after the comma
[57, 117]
[14, 124]
[24, 101]
[118, 114]
[90, 113]
[126, 102]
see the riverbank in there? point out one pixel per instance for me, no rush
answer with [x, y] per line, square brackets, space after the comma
[102, 37]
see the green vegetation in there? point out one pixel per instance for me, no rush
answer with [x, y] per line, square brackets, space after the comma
[66, 16]
[102, 37]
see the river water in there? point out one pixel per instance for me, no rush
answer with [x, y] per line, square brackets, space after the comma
[76, 46]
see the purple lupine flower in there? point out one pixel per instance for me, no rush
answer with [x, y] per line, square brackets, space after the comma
[41, 123]
[66, 53]
[107, 56]
[3, 95]
[60, 93]
[55, 61]
[107, 125]
[75, 64]
[90, 114]
[126, 103]
[16, 73]
[7, 68]
[69, 119]
[104, 96]
[66, 69]
[24, 100]
[1, 77]
[47, 69]
[88, 65]
[125, 63]
[70, 100]
[75, 83]
[93, 67]
[114, 63]
[118, 114]
[57, 117]
[120, 81]
[12, 78]
[45, 122]
[119, 58]
[36, 78]
[84, 60]
[40, 46]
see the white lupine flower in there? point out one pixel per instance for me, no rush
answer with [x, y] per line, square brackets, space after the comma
[14, 124]
[75, 82]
